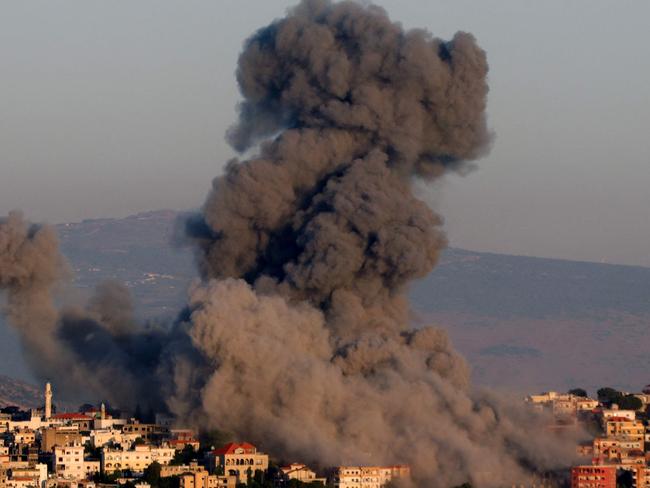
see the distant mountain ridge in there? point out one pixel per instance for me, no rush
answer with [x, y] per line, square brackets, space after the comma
[18, 393]
[523, 323]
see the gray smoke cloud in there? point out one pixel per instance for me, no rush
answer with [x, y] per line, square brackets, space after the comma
[299, 336]
[97, 349]
[30, 267]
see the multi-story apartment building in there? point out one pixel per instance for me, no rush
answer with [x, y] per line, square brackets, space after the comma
[24, 436]
[641, 477]
[615, 412]
[624, 428]
[69, 461]
[104, 437]
[148, 432]
[34, 475]
[135, 460]
[59, 436]
[563, 404]
[593, 477]
[368, 476]
[604, 445]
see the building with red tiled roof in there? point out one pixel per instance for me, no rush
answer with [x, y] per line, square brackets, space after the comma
[238, 459]
[180, 444]
[71, 416]
[236, 448]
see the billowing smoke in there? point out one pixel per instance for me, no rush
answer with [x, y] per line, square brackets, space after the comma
[96, 349]
[298, 337]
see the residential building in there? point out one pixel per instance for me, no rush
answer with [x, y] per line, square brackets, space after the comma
[136, 459]
[368, 476]
[105, 437]
[615, 412]
[202, 479]
[59, 436]
[238, 459]
[300, 472]
[24, 436]
[176, 470]
[69, 461]
[625, 428]
[148, 432]
[32, 475]
[81, 420]
[602, 445]
[641, 477]
[593, 477]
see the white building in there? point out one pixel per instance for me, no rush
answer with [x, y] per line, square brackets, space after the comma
[368, 476]
[239, 459]
[103, 437]
[69, 463]
[615, 412]
[108, 423]
[35, 475]
[300, 472]
[136, 460]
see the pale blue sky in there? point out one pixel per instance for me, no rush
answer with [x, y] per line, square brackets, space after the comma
[113, 107]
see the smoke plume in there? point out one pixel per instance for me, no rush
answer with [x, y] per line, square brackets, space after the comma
[298, 337]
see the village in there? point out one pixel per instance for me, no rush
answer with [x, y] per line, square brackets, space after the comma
[40, 448]
[618, 450]
[99, 447]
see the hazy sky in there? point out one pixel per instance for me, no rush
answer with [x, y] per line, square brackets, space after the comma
[108, 108]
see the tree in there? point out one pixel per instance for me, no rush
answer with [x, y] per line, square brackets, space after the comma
[108, 479]
[152, 474]
[184, 456]
[630, 402]
[578, 392]
[139, 441]
[609, 395]
[92, 452]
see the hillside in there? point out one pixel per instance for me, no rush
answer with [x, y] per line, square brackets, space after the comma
[523, 323]
[18, 393]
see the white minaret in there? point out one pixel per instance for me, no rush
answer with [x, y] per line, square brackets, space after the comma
[103, 412]
[48, 401]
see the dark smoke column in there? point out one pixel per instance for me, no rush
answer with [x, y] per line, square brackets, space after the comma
[325, 213]
[311, 244]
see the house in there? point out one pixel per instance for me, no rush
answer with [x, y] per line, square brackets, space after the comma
[136, 460]
[300, 472]
[239, 459]
[368, 476]
[202, 479]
